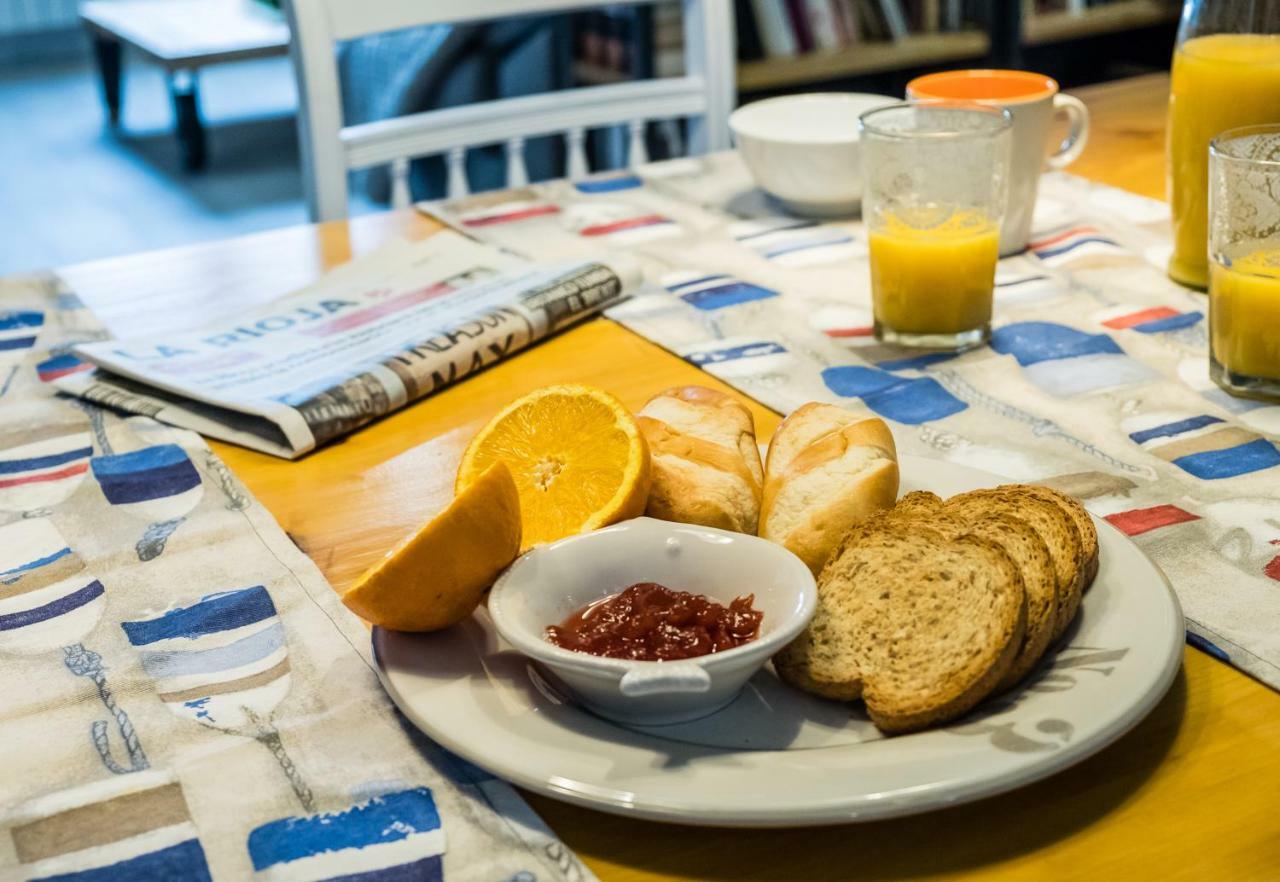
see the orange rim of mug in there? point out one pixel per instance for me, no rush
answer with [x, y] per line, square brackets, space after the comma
[998, 86]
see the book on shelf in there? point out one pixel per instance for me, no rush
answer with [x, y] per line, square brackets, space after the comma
[776, 34]
[822, 24]
[798, 16]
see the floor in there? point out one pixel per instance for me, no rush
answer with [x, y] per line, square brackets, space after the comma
[72, 190]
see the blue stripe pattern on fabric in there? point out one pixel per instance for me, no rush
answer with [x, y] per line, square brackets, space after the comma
[429, 869]
[701, 280]
[907, 401]
[805, 245]
[1204, 645]
[1212, 465]
[726, 295]
[797, 225]
[31, 565]
[12, 466]
[1063, 249]
[916, 362]
[23, 318]
[17, 343]
[158, 483]
[609, 185]
[1190, 424]
[388, 818]
[139, 460]
[59, 362]
[217, 612]
[183, 861]
[750, 350]
[1172, 323]
[246, 650]
[61, 606]
[1014, 282]
[1034, 342]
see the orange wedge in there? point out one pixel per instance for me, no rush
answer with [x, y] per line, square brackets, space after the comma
[436, 577]
[578, 458]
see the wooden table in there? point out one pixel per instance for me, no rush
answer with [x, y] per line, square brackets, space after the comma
[181, 36]
[1192, 793]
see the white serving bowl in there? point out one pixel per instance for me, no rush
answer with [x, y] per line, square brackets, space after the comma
[552, 581]
[805, 149]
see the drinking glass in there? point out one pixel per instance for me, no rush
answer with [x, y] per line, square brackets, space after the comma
[1226, 73]
[934, 192]
[1244, 265]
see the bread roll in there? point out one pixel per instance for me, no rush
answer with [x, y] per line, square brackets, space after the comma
[827, 470]
[706, 464]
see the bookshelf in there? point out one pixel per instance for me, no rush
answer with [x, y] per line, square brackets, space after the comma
[791, 45]
[916, 50]
[1041, 28]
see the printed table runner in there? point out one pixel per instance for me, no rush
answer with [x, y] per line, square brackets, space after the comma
[182, 695]
[1095, 381]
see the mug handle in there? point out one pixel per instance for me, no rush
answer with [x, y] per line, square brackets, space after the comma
[1077, 133]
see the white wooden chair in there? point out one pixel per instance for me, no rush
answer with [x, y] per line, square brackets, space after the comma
[704, 96]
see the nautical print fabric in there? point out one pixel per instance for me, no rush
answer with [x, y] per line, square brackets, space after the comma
[1095, 380]
[182, 696]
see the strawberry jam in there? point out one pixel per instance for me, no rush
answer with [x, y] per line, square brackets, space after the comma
[649, 622]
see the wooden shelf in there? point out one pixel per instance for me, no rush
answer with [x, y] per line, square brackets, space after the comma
[1057, 27]
[861, 58]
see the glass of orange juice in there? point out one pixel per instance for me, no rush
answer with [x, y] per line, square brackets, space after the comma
[1244, 261]
[935, 175]
[1226, 74]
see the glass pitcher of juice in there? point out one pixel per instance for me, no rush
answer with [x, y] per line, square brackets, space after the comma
[1226, 73]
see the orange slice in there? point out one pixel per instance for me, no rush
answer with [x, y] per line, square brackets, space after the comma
[578, 458]
[436, 577]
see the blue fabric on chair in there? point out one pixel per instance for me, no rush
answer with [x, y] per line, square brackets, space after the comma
[416, 69]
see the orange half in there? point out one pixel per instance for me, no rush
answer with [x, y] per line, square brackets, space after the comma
[437, 577]
[578, 458]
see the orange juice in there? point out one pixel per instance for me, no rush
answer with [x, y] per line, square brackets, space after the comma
[1244, 314]
[934, 279]
[1219, 82]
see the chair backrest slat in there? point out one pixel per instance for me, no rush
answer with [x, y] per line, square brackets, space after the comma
[704, 97]
[517, 172]
[529, 116]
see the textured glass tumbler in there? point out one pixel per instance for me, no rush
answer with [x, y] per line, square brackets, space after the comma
[1226, 74]
[1244, 261]
[934, 191]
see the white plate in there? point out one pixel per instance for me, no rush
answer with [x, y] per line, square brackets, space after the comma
[778, 757]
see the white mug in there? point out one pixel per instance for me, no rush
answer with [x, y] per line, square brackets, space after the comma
[1033, 100]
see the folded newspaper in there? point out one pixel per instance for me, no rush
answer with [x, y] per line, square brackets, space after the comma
[368, 338]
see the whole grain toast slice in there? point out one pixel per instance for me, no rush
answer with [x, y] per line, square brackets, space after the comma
[917, 502]
[1055, 527]
[921, 626]
[1024, 546]
[1083, 522]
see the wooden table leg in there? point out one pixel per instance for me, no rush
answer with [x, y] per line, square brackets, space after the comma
[107, 52]
[186, 114]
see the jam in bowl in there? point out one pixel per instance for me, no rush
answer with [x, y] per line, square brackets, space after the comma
[552, 583]
[650, 622]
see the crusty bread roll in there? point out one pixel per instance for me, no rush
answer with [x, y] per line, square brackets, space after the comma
[827, 470]
[706, 464]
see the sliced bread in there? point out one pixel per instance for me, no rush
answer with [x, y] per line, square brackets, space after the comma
[922, 627]
[1084, 524]
[1054, 526]
[1025, 548]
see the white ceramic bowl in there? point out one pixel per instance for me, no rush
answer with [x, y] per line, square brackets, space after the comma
[552, 581]
[805, 150]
